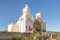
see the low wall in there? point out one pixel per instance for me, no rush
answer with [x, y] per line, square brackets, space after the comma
[9, 35]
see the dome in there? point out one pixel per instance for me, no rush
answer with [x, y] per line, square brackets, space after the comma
[38, 15]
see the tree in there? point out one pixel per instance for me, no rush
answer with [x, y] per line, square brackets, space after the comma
[37, 26]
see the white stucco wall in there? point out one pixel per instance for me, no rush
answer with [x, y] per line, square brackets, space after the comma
[10, 27]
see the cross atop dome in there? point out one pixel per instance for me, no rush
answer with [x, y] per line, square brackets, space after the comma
[26, 5]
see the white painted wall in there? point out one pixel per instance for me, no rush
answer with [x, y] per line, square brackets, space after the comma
[10, 27]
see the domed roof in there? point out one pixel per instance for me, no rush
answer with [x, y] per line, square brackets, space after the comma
[39, 14]
[26, 8]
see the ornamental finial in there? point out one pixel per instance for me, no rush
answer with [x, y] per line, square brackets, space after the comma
[26, 5]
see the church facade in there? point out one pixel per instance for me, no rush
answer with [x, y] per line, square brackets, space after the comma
[25, 22]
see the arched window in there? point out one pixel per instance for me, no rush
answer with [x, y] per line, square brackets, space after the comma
[28, 18]
[30, 28]
[22, 19]
[26, 26]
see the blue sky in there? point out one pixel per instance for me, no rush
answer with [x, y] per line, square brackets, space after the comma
[11, 10]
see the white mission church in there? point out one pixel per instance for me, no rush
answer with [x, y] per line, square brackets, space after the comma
[25, 22]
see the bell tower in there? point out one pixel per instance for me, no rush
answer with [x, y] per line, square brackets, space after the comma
[26, 10]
